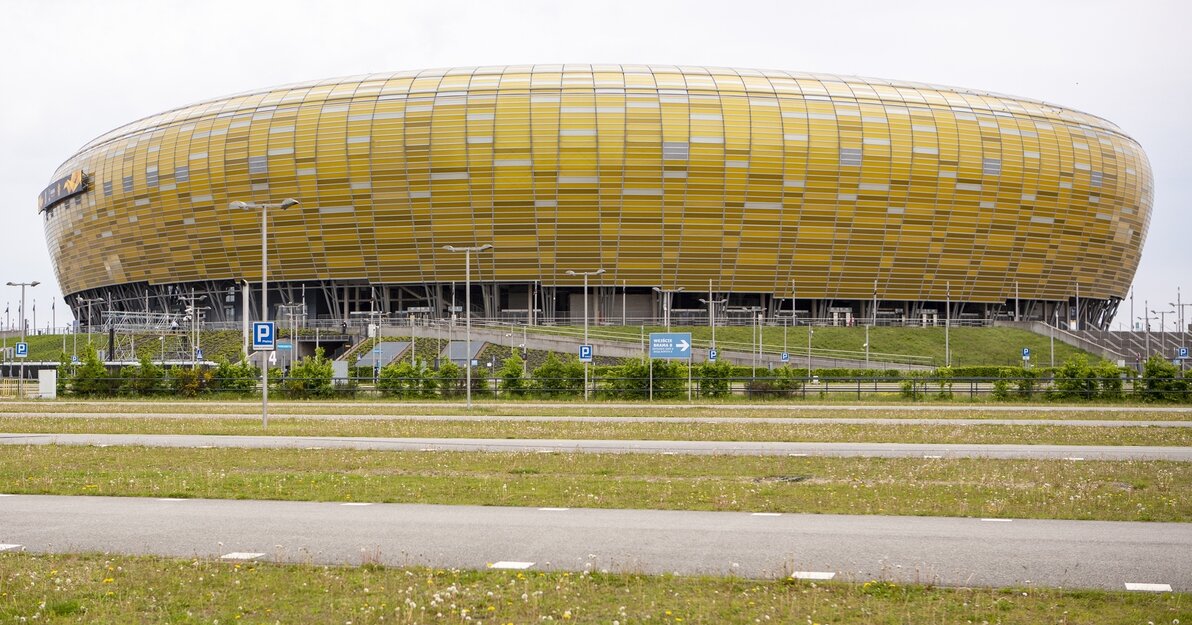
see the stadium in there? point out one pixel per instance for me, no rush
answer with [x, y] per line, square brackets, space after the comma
[780, 193]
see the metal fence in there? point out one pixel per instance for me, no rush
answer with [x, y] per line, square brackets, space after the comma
[613, 388]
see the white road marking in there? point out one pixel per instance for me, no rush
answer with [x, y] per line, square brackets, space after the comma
[766, 514]
[1148, 587]
[933, 457]
[241, 555]
[356, 503]
[997, 520]
[796, 455]
[8, 547]
[510, 564]
[170, 499]
[813, 575]
[1073, 458]
[7, 495]
[554, 509]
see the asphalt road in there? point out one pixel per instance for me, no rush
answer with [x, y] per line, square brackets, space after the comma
[608, 419]
[875, 450]
[945, 551]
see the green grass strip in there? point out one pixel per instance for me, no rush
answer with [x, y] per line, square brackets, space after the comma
[1104, 490]
[653, 430]
[107, 589]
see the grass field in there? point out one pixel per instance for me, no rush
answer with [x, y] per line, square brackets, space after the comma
[1118, 490]
[108, 590]
[647, 430]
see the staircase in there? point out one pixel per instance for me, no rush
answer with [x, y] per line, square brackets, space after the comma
[1131, 347]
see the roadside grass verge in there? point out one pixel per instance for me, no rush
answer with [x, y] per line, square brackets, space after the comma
[106, 589]
[1103, 490]
[362, 408]
[617, 430]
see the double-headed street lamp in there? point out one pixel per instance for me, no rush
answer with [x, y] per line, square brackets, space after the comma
[264, 208]
[23, 285]
[468, 304]
[585, 274]
[667, 298]
[712, 304]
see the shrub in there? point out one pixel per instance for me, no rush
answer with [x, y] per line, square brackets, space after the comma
[558, 378]
[633, 379]
[450, 379]
[91, 378]
[402, 380]
[943, 376]
[780, 383]
[715, 379]
[1026, 382]
[239, 378]
[1109, 376]
[1160, 382]
[512, 379]
[144, 380]
[1075, 379]
[1001, 389]
[309, 377]
[188, 382]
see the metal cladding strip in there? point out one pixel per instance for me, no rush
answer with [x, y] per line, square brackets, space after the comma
[944, 551]
[888, 450]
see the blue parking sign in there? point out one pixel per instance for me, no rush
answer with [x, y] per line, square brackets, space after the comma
[712, 354]
[585, 353]
[22, 350]
[1182, 353]
[1026, 353]
[263, 336]
[786, 357]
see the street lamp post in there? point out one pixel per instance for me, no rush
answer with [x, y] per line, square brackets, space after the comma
[667, 298]
[21, 381]
[88, 301]
[264, 207]
[712, 312]
[468, 305]
[585, 274]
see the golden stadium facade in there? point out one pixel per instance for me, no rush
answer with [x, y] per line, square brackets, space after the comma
[840, 191]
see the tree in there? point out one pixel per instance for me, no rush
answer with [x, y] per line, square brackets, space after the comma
[91, 379]
[451, 379]
[715, 378]
[238, 378]
[144, 380]
[1075, 379]
[402, 380]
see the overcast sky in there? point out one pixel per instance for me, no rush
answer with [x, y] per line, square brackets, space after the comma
[74, 70]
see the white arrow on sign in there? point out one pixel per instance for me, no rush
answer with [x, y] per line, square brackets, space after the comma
[683, 345]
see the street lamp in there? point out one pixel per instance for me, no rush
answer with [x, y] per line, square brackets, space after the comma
[264, 208]
[667, 298]
[468, 303]
[585, 274]
[21, 383]
[712, 303]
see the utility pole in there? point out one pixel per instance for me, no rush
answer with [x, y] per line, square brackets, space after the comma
[468, 305]
[948, 325]
[712, 303]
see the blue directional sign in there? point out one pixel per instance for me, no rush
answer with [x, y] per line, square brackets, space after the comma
[673, 345]
[285, 345]
[74, 360]
[1181, 353]
[1026, 353]
[22, 350]
[198, 354]
[376, 350]
[785, 357]
[585, 353]
[712, 354]
[263, 336]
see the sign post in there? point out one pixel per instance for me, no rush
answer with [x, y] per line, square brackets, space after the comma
[670, 346]
[264, 339]
[1026, 357]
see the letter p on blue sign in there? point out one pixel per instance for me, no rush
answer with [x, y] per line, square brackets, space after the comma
[263, 336]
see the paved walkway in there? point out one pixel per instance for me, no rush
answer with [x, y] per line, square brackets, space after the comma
[874, 450]
[945, 551]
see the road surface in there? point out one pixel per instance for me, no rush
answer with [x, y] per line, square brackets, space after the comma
[945, 551]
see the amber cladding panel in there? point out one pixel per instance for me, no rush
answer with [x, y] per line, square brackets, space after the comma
[662, 175]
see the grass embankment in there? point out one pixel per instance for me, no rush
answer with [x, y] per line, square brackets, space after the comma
[1119, 490]
[646, 430]
[105, 590]
[969, 346]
